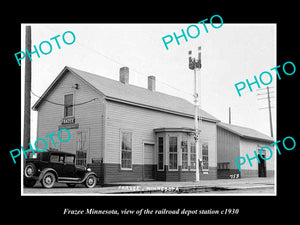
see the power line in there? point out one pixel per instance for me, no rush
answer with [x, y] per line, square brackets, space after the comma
[262, 89]
[122, 64]
[133, 69]
[60, 104]
[266, 107]
[269, 107]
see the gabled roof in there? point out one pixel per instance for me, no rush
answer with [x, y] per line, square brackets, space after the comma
[130, 94]
[245, 132]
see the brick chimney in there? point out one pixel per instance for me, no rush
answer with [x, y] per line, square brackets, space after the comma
[151, 83]
[124, 75]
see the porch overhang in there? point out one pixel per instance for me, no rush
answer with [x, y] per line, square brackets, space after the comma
[174, 129]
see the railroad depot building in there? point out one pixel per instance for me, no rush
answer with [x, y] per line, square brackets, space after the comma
[236, 141]
[128, 133]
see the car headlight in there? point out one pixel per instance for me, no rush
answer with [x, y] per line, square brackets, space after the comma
[89, 169]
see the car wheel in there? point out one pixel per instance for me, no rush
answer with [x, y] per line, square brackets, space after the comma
[29, 170]
[91, 181]
[29, 183]
[71, 185]
[48, 180]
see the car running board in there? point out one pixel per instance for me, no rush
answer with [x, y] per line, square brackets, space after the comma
[69, 180]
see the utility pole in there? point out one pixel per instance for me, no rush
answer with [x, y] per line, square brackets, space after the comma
[269, 106]
[196, 66]
[229, 115]
[270, 113]
[27, 99]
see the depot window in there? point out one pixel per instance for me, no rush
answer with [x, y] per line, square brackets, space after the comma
[68, 105]
[205, 156]
[126, 150]
[223, 166]
[184, 155]
[193, 156]
[173, 153]
[160, 153]
[81, 147]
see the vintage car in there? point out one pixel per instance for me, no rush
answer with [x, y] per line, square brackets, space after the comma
[55, 166]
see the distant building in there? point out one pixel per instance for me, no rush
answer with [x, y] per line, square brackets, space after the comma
[124, 132]
[236, 141]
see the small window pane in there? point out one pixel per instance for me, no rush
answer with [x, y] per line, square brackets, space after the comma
[184, 156]
[68, 102]
[126, 150]
[81, 158]
[205, 156]
[69, 159]
[193, 155]
[173, 152]
[160, 153]
[54, 158]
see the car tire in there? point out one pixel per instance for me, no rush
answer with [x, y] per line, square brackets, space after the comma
[29, 183]
[29, 170]
[48, 180]
[90, 181]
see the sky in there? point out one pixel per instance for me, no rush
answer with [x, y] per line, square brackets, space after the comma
[230, 54]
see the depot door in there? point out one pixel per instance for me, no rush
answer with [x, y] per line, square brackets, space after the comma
[148, 167]
[262, 167]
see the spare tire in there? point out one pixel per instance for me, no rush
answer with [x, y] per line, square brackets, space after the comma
[29, 170]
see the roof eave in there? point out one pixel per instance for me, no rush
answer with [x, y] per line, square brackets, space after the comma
[54, 83]
[258, 139]
[59, 77]
[244, 136]
[157, 108]
[228, 129]
[174, 129]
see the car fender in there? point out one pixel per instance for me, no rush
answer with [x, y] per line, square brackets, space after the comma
[87, 174]
[44, 171]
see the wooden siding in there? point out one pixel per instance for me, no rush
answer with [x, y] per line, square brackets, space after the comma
[149, 172]
[246, 173]
[149, 154]
[228, 173]
[211, 175]
[228, 147]
[113, 173]
[208, 135]
[248, 146]
[141, 122]
[89, 116]
[231, 146]
[173, 175]
[187, 175]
